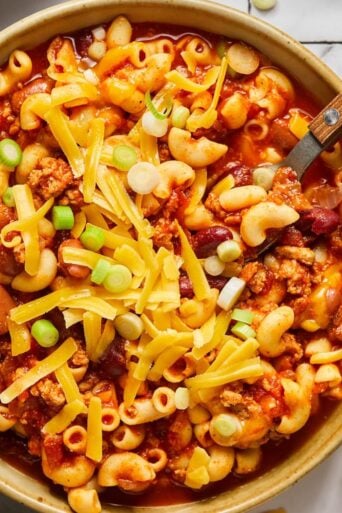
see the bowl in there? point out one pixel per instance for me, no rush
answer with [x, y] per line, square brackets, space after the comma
[310, 72]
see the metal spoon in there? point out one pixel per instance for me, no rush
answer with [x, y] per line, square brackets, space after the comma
[324, 130]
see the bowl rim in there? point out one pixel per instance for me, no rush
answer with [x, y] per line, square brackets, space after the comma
[69, 8]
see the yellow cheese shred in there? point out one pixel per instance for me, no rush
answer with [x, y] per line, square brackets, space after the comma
[70, 92]
[298, 125]
[94, 430]
[130, 257]
[132, 386]
[102, 180]
[68, 383]
[84, 257]
[189, 85]
[64, 418]
[207, 119]
[93, 304]
[165, 360]
[44, 304]
[25, 208]
[193, 268]
[197, 190]
[24, 224]
[20, 337]
[79, 226]
[141, 224]
[43, 368]
[250, 368]
[106, 338]
[149, 148]
[60, 129]
[92, 158]
[95, 217]
[197, 471]
[221, 327]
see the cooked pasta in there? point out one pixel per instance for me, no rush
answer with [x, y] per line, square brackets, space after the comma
[143, 342]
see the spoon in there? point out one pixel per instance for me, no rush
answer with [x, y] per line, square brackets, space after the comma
[324, 130]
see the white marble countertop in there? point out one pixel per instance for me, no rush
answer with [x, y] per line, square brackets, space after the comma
[317, 24]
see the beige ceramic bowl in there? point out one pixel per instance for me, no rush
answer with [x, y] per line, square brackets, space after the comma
[313, 75]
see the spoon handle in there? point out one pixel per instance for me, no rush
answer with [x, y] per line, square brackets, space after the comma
[329, 121]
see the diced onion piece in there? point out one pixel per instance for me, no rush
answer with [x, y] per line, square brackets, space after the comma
[62, 217]
[229, 250]
[242, 315]
[264, 5]
[129, 326]
[182, 398]
[99, 33]
[91, 76]
[118, 279]
[263, 176]
[180, 116]
[10, 153]
[100, 271]
[243, 331]
[143, 177]
[93, 238]
[231, 293]
[124, 157]
[242, 58]
[8, 198]
[45, 333]
[153, 126]
[213, 266]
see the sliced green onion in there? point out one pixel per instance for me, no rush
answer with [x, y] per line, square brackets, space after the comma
[118, 279]
[8, 198]
[180, 116]
[45, 333]
[229, 250]
[100, 271]
[159, 115]
[243, 331]
[62, 217]
[129, 326]
[124, 157]
[213, 266]
[224, 425]
[231, 293]
[143, 177]
[263, 176]
[153, 126]
[10, 153]
[242, 315]
[93, 238]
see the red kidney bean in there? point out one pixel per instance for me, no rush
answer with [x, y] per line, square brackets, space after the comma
[186, 289]
[206, 241]
[39, 85]
[113, 362]
[320, 220]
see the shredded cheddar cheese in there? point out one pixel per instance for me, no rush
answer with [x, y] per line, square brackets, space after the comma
[42, 369]
[64, 418]
[68, 383]
[94, 430]
[59, 126]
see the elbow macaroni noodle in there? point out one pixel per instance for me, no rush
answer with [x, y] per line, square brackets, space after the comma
[178, 375]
